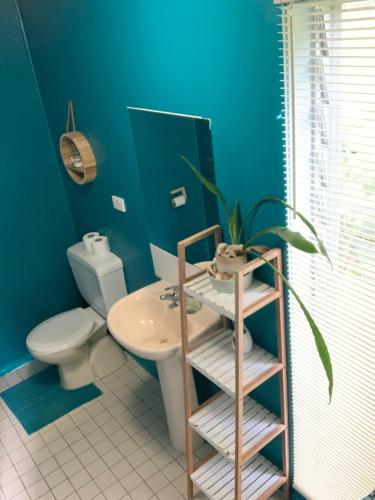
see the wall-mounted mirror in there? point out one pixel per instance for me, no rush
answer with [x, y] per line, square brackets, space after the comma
[160, 139]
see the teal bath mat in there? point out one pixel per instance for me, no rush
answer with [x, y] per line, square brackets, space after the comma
[40, 400]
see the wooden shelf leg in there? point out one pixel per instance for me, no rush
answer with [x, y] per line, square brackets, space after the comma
[283, 383]
[181, 248]
[186, 372]
[239, 383]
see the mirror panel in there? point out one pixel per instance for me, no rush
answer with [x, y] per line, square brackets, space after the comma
[159, 140]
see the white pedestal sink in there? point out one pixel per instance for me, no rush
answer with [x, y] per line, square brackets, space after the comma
[149, 328]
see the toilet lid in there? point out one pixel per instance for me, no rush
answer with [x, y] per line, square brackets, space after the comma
[61, 331]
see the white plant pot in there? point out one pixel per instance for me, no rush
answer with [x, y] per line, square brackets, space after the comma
[247, 341]
[230, 265]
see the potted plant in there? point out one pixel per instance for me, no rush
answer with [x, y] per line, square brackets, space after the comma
[229, 257]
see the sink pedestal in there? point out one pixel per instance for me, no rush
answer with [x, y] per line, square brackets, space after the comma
[170, 373]
[149, 328]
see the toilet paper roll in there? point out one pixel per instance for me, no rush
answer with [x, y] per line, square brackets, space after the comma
[88, 239]
[100, 246]
[178, 201]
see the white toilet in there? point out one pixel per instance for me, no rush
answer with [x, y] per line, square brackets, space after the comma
[77, 341]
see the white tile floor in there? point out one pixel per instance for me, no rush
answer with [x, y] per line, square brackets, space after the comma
[115, 447]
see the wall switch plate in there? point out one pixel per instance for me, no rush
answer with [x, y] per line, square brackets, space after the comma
[118, 203]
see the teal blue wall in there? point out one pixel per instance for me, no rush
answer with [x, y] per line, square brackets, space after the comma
[35, 223]
[214, 58]
[217, 58]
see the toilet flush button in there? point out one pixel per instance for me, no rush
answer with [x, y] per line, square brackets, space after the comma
[118, 203]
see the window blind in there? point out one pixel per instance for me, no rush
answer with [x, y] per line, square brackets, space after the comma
[328, 61]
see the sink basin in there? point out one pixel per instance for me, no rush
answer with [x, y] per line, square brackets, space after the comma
[146, 326]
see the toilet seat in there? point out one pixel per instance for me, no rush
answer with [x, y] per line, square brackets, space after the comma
[63, 331]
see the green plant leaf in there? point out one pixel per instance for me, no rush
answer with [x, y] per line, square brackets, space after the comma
[318, 337]
[274, 199]
[233, 222]
[321, 245]
[207, 184]
[292, 237]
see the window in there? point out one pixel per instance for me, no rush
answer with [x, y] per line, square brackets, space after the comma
[329, 87]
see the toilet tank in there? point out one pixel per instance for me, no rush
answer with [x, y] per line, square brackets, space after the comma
[100, 279]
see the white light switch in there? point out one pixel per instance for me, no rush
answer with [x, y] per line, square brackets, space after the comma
[118, 203]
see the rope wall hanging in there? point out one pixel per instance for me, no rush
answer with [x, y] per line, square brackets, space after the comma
[76, 151]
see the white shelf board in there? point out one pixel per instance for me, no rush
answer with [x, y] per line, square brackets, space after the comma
[215, 422]
[215, 478]
[216, 360]
[224, 303]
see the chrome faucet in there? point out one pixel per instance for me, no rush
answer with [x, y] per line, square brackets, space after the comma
[174, 296]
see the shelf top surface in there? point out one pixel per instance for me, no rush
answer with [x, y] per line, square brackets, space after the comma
[216, 360]
[259, 477]
[215, 422]
[224, 303]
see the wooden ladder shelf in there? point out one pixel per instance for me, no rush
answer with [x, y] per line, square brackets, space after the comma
[235, 425]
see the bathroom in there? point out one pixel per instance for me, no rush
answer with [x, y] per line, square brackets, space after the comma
[145, 83]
